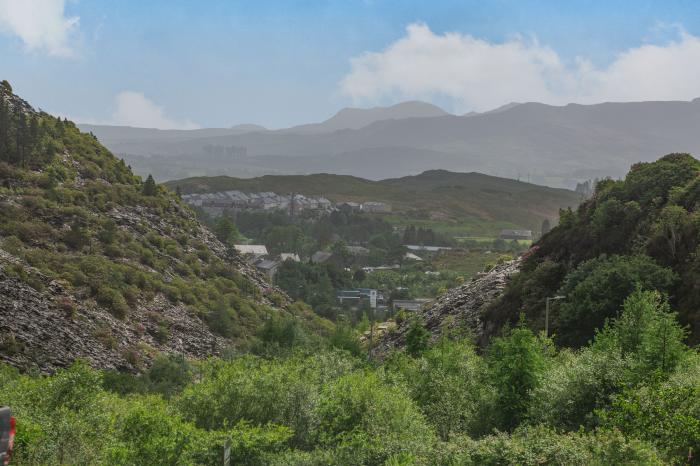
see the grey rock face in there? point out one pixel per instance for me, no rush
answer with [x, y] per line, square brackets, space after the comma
[459, 310]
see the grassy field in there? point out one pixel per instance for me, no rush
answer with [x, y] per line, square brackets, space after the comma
[488, 240]
[465, 263]
[460, 227]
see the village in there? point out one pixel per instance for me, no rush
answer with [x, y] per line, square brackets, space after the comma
[361, 266]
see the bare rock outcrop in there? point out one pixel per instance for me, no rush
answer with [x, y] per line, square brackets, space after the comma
[460, 309]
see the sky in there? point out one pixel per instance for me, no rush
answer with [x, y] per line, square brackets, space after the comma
[189, 64]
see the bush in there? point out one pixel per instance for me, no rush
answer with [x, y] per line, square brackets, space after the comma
[666, 414]
[449, 384]
[539, 445]
[366, 421]
[113, 301]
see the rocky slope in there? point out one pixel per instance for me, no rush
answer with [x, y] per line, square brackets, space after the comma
[96, 264]
[459, 310]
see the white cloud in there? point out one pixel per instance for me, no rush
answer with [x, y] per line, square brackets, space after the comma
[41, 24]
[480, 75]
[135, 109]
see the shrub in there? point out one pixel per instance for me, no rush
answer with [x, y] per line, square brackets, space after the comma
[365, 421]
[450, 386]
[113, 301]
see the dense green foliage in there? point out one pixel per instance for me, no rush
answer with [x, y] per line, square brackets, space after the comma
[630, 397]
[640, 231]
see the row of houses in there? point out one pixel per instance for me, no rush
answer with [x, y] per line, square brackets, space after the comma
[369, 206]
[216, 203]
[238, 200]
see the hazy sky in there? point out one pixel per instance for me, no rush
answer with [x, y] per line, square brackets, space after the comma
[176, 63]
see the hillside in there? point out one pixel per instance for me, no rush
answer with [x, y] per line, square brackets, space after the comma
[435, 195]
[642, 231]
[96, 264]
[554, 145]
[639, 232]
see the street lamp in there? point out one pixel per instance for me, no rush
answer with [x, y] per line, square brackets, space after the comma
[546, 312]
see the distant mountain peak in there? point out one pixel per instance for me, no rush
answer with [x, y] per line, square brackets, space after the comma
[504, 108]
[408, 109]
[247, 127]
[356, 118]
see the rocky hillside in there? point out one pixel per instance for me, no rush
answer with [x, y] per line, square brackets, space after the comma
[457, 311]
[98, 265]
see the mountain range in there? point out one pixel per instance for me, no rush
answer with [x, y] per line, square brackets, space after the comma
[552, 145]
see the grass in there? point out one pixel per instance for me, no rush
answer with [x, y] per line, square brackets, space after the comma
[489, 240]
[465, 263]
[462, 227]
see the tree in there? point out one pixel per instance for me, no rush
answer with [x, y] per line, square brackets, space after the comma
[596, 290]
[416, 338]
[671, 221]
[226, 231]
[341, 253]
[286, 238]
[646, 331]
[77, 236]
[366, 420]
[409, 235]
[515, 363]
[448, 382]
[149, 186]
[545, 226]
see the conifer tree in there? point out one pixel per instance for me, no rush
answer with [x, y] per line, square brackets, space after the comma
[149, 186]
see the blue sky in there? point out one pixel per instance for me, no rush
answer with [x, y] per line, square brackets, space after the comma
[204, 63]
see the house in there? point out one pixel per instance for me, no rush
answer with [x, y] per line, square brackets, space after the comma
[285, 256]
[376, 207]
[415, 247]
[516, 234]
[359, 296]
[357, 250]
[268, 267]
[319, 257]
[410, 304]
[381, 267]
[349, 206]
[251, 249]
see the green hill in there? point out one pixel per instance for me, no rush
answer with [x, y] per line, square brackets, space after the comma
[98, 265]
[458, 203]
[643, 231]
